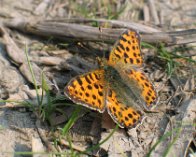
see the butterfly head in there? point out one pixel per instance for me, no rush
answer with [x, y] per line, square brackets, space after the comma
[102, 62]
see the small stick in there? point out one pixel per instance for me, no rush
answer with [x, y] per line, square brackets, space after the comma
[50, 148]
[146, 14]
[153, 12]
[161, 17]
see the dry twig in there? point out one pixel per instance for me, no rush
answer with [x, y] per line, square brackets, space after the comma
[64, 30]
[153, 11]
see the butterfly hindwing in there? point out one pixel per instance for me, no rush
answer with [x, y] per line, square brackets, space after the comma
[144, 85]
[122, 114]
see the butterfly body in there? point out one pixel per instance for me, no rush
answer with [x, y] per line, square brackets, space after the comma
[118, 86]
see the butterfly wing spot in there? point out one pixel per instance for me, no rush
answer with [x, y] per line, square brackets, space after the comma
[135, 55]
[87, 90]
[133, 47]
[87, 94]
[138, 61]
[100, 93]
[127, 50]
[121, 46]
[123, 115]
[126, 55]
[131, 60]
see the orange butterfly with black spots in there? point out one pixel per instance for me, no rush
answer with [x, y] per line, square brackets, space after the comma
[118, 86]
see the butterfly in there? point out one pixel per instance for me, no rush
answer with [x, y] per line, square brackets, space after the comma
[119, 85]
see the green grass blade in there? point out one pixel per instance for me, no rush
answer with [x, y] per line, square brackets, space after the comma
[71, 121]
[178, 131]
[147, 45]
[32, 74]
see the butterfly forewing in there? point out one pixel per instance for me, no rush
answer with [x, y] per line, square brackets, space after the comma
[88, 90]
[127, 50]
